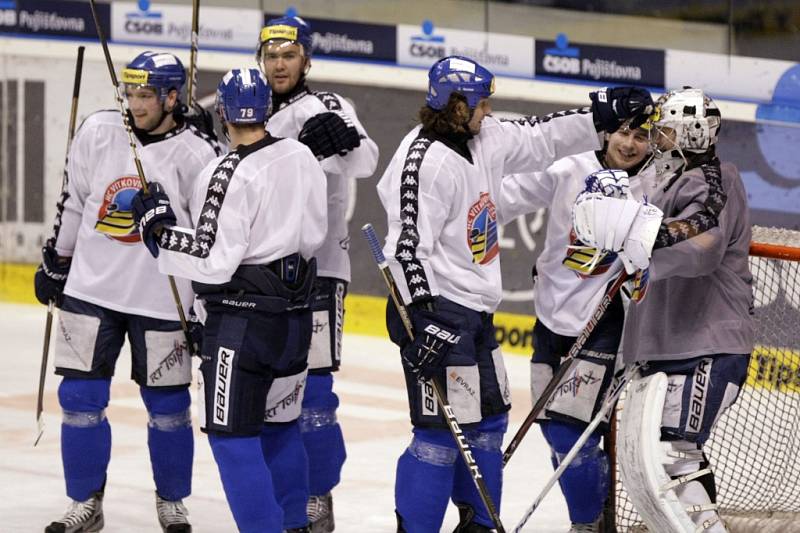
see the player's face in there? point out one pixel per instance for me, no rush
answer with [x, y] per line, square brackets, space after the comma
[663, 138]
[626, 148]
[147, 108]
[481, 110]
[284, 63]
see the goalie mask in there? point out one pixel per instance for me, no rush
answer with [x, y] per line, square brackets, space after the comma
[686, 122]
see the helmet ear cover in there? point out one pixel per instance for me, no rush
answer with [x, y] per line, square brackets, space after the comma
[456, 74]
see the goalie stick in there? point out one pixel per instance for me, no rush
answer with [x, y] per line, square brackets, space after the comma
[447, 410]
[566, 365]
[608, 405]
[132, 141]
[48, 327]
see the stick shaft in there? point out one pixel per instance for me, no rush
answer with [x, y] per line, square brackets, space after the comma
[192, 80]
[566, 365]
[447, 410]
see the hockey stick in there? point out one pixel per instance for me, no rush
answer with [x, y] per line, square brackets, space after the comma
[191, 90]
[447, 410]
[566, 365]
[132, 141]
[608, 404]
[48, 327]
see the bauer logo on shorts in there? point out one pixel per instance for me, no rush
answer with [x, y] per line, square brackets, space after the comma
[482, 230]
[699, 396]
[222, 385]
[115, 217]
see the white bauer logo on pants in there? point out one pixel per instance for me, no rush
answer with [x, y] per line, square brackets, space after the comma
[222, 385]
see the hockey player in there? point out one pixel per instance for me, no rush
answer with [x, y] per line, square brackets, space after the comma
[444, 194]
[108, 287]
[259, 214]
[328, 124]
[565, 297]
[694, 328]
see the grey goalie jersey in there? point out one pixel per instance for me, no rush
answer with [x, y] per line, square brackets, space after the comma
[287, 121]
[700, 299]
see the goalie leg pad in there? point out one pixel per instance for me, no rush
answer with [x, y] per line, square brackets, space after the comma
[85, 435]
[170, 440]
[585, 481]
[424, 480]
[643, 456]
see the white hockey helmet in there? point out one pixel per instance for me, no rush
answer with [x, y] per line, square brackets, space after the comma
[692, 115]
[686, 121]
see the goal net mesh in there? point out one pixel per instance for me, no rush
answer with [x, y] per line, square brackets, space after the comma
[755, 447]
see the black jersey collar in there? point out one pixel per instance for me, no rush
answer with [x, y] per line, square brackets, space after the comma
[246, 149]
[148, 138]
[455, 141]
[279, 101]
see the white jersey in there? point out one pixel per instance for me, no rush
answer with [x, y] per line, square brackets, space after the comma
[565, 301]
[443, 209]
[257, 204]
[287, 121]
[110, 266]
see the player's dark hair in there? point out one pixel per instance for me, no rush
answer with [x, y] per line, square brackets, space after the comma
[452, 119]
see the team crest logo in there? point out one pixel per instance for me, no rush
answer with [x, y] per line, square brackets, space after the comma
[115, 217]
[482, 230]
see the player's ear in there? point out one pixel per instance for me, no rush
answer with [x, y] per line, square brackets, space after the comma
[172, 99]
[306, 65]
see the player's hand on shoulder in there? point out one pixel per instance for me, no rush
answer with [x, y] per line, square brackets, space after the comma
[330, 133]
[51, 276]
[613, 106]
[152, 212]
[434, 338]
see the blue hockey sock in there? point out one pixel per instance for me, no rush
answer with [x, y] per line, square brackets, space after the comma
[286, 458]
[322, 435]
[485, 443]
[247, 483]
[424, 480]
[585, 481]
[170, 440]
[85, 435]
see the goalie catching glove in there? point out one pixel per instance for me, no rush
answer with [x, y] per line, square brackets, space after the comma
[616, 223]
[152, 212]
[329, 134]
[434, 338]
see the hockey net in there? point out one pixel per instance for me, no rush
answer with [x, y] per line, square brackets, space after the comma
[755, 446]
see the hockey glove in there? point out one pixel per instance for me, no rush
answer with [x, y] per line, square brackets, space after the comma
[611, 107]
[195, 329]
[434, 338]
[617, 225]
[152, 211]
[51, 276]
[329, 134]
[201, 119]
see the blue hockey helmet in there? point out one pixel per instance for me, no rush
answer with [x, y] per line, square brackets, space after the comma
[292, 29]
[244, 97]
[159, 70]
[457, 74]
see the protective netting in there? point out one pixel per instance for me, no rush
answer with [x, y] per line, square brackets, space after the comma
[755, 446]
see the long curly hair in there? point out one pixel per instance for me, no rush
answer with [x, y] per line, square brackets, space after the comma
[452, 119]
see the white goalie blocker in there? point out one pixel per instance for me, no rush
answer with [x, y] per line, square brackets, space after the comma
[644, 460]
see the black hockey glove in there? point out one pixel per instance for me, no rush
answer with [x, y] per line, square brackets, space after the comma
[51, 276]
[152, 211]
[201, 119]
[434, 338]
[329, 134]
[611, 107]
